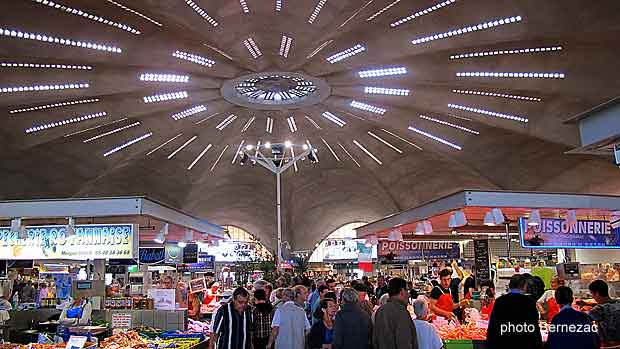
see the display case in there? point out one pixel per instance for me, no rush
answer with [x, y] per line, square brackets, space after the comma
[609, 272]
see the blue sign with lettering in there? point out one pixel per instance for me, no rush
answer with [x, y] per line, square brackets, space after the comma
[555, 233]
[151, 255]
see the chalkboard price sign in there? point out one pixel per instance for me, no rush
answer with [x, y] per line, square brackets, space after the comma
[482, 261]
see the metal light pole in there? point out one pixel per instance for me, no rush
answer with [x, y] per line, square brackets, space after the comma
[277, 163]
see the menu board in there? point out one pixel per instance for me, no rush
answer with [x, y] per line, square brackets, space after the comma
[190, 253]
[482, 265]
[121, 320]
[197, 285]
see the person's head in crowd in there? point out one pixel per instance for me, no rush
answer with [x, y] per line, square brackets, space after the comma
[268, 290]
[420, 308]
[331, 295]
[517, 283]
[323, 289]
[260, 284]
[361, 290]
[281, 282]
[445, 276]
[490, 293]
[397, 288]
[167, 282]
[434, 283]
[564, 295]
[381, 281]
[301, 293]
[331, 283]
[384, 299]
[534, 286]
[349, 296]
[409, 285]
[260, 296]
[488, 284]
[556, 282]
[326, 309]
[241, 297]
[365, 279]
[599, 290]
[288, 295]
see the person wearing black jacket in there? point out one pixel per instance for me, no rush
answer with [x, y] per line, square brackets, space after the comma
[262, 314]
[565, 323]
[353, 327]
[322, 332]
[514, 319]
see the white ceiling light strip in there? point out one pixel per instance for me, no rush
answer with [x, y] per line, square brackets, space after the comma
[165, 97]
[294, 161]
[435, 138]
[421, 13]
[382, 72]
[244, 6]
[333, 118]
[219, 51]
[330, 149]
[342, 55]
[229, 119]
[401, 138]
[88, 16]
[189, 112]
[385, 142]
[355, 13]
[201, 12]
[368, 107]
[507, 52]
[164, 144]
[238, 152]
[199, 157]
[386, 91]
[378, 13]
[469, 29]
[135, 13]
[46, 66]
[56, 40]
[523, 75]
[359, 145]
[318, 49]
[489, 113]
[38, 88]
[279, 4]
[76, 119]
[55, 105]
[312, 122]
[111, 132]
[207, 118]
[181, 147]
[317, 10]
[315, 150]
[495, 94]
[125, 145]
[94, 128]
[248, 124]
[285, 45]
[218, 158]
[291, 124]
[351, 156]
[449, 124]
[164, 77]
[269, 128]
[190, 57]
[250, 44]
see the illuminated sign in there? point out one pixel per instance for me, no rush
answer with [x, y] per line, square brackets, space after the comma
[555, 233]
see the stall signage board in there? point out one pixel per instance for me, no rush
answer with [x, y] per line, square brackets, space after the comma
[207, 260]
[199, 267]
[91, 241]
[121, 320]
[482, 261]
[190, 253]
[151, 255]
[163, 298]
[406, 250]
[76, 342]
[173, 254]
[555, 233]
[197, 285]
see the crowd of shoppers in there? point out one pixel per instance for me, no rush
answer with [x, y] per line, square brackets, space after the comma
[361, 315]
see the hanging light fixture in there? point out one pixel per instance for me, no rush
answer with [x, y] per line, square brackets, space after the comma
[160, 238]
[498, 216]
[419, 230]
[488, 219]
[189, 237]
[428, 227]
[534, 219]
[70, 228]
[18, 228]
[571, 218]
[457, 219]
[395, 235]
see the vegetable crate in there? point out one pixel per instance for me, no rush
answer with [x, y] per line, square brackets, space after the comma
[464, 344]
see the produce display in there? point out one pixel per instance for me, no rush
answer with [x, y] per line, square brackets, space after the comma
[41, 346]
[125, 340]
[177, 343]
[133, 340]
[470, 332]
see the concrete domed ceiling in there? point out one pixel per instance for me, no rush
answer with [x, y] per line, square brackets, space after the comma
[86, 113]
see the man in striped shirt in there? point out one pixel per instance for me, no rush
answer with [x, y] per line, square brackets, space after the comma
[232, 325]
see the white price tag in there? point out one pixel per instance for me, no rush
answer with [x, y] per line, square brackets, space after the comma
[76, 342]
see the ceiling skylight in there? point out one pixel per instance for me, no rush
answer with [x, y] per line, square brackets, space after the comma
[55, 105]
[330, 149]
[39, 88]
[189, 112]
[129, 143]
[342, 55]
[495, 94]
[312, 122]
[218, 158]
[318, 49]
[459, 127]
[190, 57]
[227, 121]
[165, 97]
[252, 47]
[317, 10]
[244, 6]
[56, 40]
[87, 16]
[181, 147]
[285, 46]
[238, 152]
[291, 124]
[164, 77]
[386, 91]
[94, 128]
[111, 132]
[378, 13]
[350, 156]
[59, 123]
[135, 12]
[368, 107]
[469, 29]
[269, 128]
[164, 144]
[201, 12]
[382, 72]
[489, 113]
[248, 124]
[523, 75]
[333, 118]
[401, 138]
[435, 138]
[279, 4]
[202, 153]
[359, 145]
[507, 52]
[46, 66]
[421, 13]
[385, 142]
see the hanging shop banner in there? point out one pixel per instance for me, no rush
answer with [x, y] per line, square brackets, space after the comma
[555, 233]
[364, 257]
[207, 260]
[190, 253]
[174, 254]
[90, 241]
[151, 255]
[406, 250]
[231, 251]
